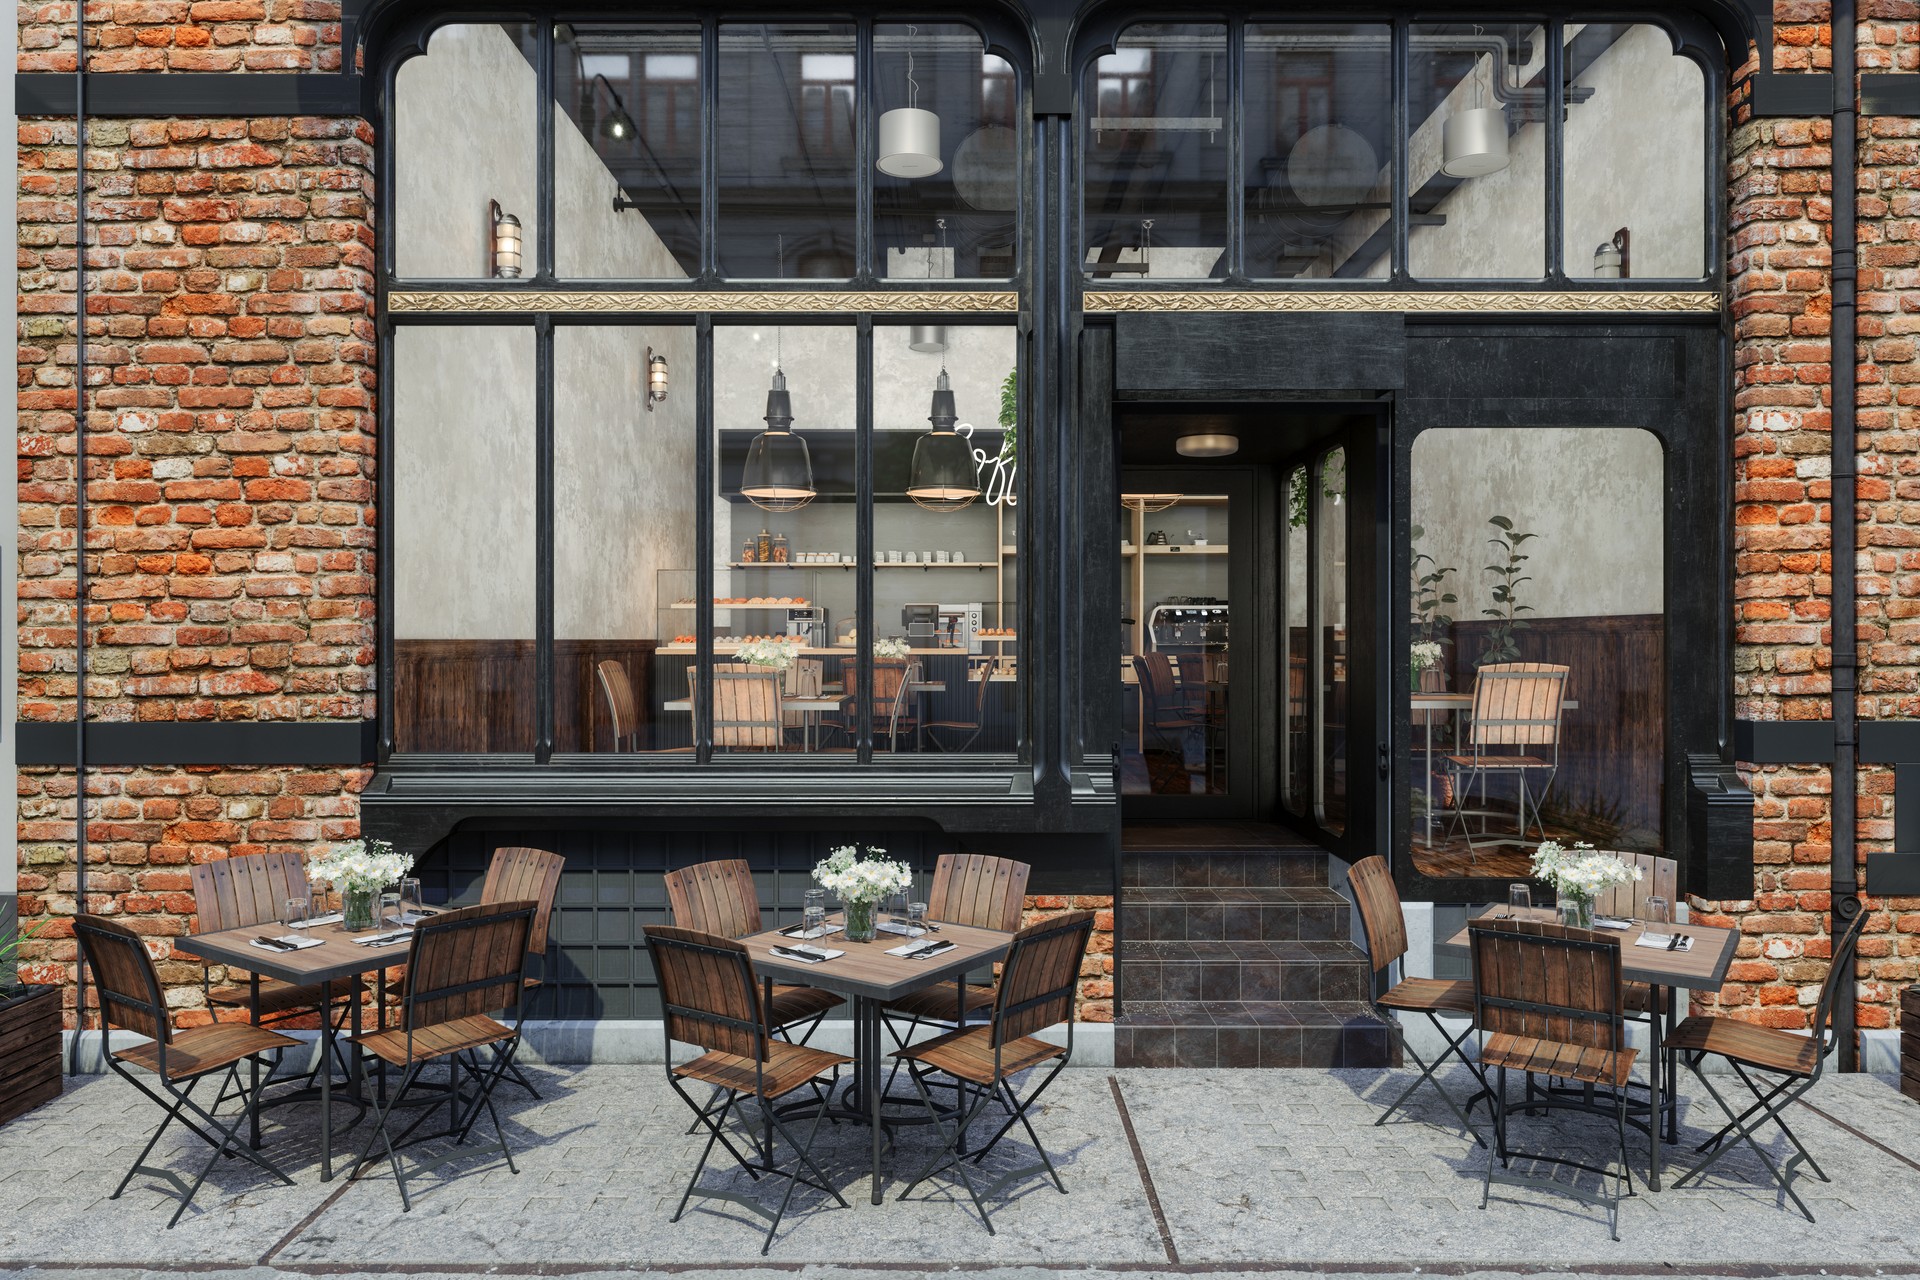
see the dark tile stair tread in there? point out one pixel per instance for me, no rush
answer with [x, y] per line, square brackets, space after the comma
[1211, 837]
[1248, 1013]
[1308, 951]
[1169, 895]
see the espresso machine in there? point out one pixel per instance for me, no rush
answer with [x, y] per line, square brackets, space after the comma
[809, 623]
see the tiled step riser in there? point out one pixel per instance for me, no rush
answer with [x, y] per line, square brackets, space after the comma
[1232, 922]
[1248, 1047]
[1225, 870]
[1243, 980]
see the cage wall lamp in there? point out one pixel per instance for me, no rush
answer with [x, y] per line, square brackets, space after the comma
[505, 230]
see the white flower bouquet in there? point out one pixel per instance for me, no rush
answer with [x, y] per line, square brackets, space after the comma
[358, 870]
[767, 652]
[860, 876]
[1580, 874]
[891, 647]
[1424, 654]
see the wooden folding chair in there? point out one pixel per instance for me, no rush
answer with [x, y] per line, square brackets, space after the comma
[462, 967]
[720, 898]
[1795, 1060]
[1378, 902]
[969, 889]
[1037, 987]
[710, 1000]
[1515, 729]
[130, 998]
[525, 875]
[1547, 1002]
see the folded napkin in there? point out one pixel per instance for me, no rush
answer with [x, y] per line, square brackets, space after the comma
[316, 921]
[1611, 922]
[1660, 941]
[904, 930]
[293, 942]
[808, 956]
[797, 932]
[914, 950]
[385, 939]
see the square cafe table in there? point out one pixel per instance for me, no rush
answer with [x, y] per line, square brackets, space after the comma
[870, 979]
[1703, 968]
[337, 959]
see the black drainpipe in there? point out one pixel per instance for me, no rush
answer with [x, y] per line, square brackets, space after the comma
[1844, 892]
[80, 521]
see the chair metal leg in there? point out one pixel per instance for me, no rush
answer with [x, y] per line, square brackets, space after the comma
[1744, 1132]
[953, 1154]
[1426, 1075]
[250, 1112]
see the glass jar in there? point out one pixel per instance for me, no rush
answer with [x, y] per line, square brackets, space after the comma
[765, 545]
[748, 550]
[780, 552]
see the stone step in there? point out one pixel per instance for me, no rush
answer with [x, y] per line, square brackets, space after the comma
[1234, 1033]
[1246, 970]
[1161, 913]
[1290, 868]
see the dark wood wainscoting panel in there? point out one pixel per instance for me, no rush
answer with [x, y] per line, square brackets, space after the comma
[1614, 749]
[463, 695]
[581, 719]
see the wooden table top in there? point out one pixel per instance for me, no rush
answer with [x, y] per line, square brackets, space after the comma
[867, 969]
[338, 955]
[1703, 968]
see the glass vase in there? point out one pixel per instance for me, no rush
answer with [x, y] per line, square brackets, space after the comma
[1576, 912]
[1416, 673]
[860, 921]
[356, 909]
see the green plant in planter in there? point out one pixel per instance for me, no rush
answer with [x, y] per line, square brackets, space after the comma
[1508, 577]
[1333, 484]
[10, 958]
[1430, 626]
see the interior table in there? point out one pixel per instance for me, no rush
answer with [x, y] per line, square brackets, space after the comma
[870, 979]
[1702, 968]
[337, 959]
[811, 708]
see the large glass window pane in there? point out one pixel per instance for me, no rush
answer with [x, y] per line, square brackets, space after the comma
[1636, 155]
[1551, 650]
[1477, 157]
[944, 68]
[623, 522]
[626, 151]
[1296, 770]
[947, 578]
[1154, 112]
[462, 520]
[1175, 550]
[786, 149]
[1330, 639]
[1318, 147]
[784, 528]
[465, 139]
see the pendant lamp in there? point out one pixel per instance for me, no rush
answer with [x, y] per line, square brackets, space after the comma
[1473, 143]
[779, 471]
[943, 477]
[930, 338]
[909, 135]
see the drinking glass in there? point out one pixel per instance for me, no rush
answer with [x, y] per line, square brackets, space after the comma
[813, 911]
[389, 907]
[1519, 900]
[1655, 911]
[410, 893]
[917, 916]
[295, 912]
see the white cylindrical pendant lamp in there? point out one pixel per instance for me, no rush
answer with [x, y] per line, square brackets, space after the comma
[930, 338]
[1474, 143]
[910, 143]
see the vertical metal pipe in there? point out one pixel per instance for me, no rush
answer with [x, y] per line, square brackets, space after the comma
[543, 536]
[80, 519]
[1844, 895]
[863, 607]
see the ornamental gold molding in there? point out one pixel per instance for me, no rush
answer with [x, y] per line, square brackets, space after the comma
[502, 301]
[1689, 302]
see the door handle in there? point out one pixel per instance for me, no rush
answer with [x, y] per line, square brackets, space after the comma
[1386, 762]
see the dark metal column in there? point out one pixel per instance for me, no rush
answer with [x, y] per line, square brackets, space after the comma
[1842, 379]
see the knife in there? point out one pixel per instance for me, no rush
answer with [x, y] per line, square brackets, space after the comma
[802, 953]
[276, 943]
[1673, 943]
[930, 949]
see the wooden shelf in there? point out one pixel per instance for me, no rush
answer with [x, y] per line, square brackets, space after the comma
[782, 564]
[1185, 551]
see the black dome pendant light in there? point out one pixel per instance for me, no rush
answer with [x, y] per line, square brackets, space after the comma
[778, 475]
[943, 477]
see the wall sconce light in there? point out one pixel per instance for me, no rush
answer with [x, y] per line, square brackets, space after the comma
[656, 378]
[506, 241]
[619, 126]
[1614, 259]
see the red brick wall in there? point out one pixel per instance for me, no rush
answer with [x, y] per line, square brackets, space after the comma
[184, 35]
[229, 488]
[1095, 1001]
[1780, 275]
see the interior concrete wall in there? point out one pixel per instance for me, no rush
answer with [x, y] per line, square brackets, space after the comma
[1563, 485]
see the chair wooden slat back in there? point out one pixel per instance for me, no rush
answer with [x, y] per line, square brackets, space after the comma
[467, 962]
[1517, 704]
[1041, 976]
[125, 977]
[1548, 981]
[623, 712]
[1378, 900]
[707, 991]
[746, 706]
[1658, 877]
[978, 891]
[529, 875]
[804, 679]
[715, 897]
[238, 893]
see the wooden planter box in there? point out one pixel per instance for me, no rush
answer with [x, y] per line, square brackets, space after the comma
[1910, 1042]
[29, 1051]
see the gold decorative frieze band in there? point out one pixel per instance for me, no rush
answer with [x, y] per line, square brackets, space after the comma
[1691, 302]
[506, 301]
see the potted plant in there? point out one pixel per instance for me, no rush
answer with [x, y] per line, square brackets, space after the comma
[29, 1034]
[1432, 629]
[1502, 645]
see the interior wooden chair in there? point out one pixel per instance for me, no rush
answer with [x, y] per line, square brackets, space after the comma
[462, 967]
[710, 1000]
[1514, 730]
[1167, 715]
[968, 889]
[972, 729]
[893, 705]
[1038, 983]
[623, 711]
[1792, 1061]
[804, 679]
[1547, 1002]
[128, 984]
[720, 898]
[1378, 900]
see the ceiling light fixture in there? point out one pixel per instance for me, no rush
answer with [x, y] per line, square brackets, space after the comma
[1207, 444]
[1473, 143]
[778, 475]
[943, 476]
[931, 338]
[909, 135]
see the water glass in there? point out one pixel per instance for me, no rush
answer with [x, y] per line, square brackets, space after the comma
[1519, 900]
[813, 911]
[295, 912]
[410, 893]
[389, 907]
[917, 916]
[1655, 910]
